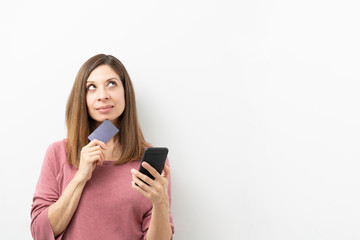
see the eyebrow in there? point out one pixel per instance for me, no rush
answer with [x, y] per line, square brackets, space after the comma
[105, 80]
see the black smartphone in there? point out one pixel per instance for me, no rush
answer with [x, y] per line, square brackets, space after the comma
[156, 157]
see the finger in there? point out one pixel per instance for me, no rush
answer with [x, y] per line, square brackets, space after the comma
[98, 142]
[95, 153]
[102, 144]
[98, 153]
[166, 171]
[93, 159]
[143, 177]
[97, 150]
[137, 188]
[151, 170]
[102, 157]
[94, 148]
[144, 186]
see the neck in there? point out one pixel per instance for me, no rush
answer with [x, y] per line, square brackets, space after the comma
[113, 147]
[112, 143]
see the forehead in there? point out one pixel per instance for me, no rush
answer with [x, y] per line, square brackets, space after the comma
[102, 73]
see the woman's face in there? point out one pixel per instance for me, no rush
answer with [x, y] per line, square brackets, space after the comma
[105, 94]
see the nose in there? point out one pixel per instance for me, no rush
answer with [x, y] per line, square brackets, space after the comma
[102, 94]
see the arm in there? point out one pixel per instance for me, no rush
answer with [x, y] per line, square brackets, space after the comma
[157, 193]
[46, 193]
[50, 212]
[160, 224]
[61, 212]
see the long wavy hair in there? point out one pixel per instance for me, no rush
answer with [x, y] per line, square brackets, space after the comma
[79, 123]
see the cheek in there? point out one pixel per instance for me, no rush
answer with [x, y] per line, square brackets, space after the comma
[120, 98]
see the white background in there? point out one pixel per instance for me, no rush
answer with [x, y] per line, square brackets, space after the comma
[258, 102]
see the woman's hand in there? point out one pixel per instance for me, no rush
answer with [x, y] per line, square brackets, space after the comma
[91, 155]
[156, 190]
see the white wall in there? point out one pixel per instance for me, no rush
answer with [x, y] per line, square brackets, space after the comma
[258, 102]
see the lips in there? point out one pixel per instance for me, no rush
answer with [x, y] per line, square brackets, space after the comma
[104, 107]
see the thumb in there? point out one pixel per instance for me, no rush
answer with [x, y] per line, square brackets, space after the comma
[166, 171]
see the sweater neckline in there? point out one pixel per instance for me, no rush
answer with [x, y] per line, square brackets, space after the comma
[109, 162]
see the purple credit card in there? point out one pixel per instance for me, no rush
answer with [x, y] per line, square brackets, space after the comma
[104, 132]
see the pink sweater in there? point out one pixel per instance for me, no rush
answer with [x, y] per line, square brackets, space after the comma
[109, 207]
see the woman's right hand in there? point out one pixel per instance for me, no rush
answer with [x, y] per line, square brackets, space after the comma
[91, 155]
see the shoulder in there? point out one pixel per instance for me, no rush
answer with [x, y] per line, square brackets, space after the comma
[55, 155]
[58, 145]
[57, 148]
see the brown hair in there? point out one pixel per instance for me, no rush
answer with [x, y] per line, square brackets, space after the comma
[79, 123]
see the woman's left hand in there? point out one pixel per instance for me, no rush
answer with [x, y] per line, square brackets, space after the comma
[156, 190]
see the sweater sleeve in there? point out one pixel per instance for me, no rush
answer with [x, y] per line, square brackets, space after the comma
[147, 217]
[46, 193]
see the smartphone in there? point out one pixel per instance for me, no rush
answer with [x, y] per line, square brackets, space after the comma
[156, 157]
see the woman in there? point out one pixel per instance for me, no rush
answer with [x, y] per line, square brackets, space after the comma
[92, 190]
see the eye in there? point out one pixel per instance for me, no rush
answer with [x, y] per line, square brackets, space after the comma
[112, 82]
[91, 87]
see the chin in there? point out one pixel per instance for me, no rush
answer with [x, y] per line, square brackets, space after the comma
[103, 118]
[100, 118]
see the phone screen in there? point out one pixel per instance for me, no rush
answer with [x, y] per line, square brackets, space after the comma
[156, 157]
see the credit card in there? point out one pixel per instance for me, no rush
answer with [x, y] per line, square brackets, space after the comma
[104, 132]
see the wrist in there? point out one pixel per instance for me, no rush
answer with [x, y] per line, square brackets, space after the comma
[162, 205]
[79, 178]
